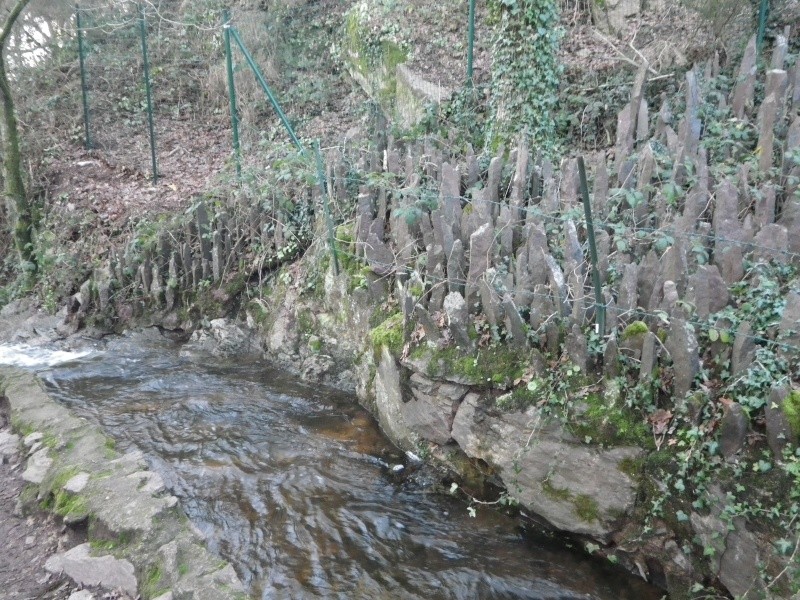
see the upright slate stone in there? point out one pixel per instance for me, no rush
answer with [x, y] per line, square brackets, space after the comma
[779, 431]
[456, 279]
[432, 333]
[542, 308]
[600, 188]
[683, 349]
[379, 256]
[514, 323]
[628, 296]
[577, 348]
[744, 349]
[744, 90]
[789, 328]
[557, 283]
[519, 185]
[491, 306]
[438, 287]
[771, 243]
[457, 317]
[480, 253]
[730, 264]
[765, 205]
[707, 291]
[493, 184]
[649, 357]
[573, 251]
[733, 428]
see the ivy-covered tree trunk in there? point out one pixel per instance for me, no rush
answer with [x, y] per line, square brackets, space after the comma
[17, 205]
[525, 72]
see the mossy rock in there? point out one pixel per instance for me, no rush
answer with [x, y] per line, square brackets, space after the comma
[791, 410]
[389, 334]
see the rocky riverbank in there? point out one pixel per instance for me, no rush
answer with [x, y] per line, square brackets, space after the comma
[108, 526]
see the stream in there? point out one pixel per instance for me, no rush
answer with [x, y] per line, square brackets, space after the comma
[296, 485]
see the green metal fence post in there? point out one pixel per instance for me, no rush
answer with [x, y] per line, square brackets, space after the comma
[263, 83]
[600, 308]
[763, 12]
[148, 91]
[226, 27]
[329, 221]
[84, 87]
[470, 41]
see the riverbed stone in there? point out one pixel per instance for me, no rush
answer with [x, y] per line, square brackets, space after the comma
[38, 465]
[106, 571]
[574, 487]
[77, 483]
[9, 446]
[430, 414]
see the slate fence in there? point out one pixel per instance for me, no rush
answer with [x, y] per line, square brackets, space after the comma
[504, 241]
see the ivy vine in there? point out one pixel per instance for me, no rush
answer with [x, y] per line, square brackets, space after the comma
[525, 71]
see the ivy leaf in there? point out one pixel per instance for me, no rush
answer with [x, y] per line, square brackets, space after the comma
[784, 547]
[713, 335]
[681, 516]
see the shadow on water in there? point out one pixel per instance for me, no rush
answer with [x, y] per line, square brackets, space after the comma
[289, 482]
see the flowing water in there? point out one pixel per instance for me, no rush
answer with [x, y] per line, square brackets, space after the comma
[292, 484]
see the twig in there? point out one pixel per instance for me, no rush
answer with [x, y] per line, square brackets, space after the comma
[622, 55]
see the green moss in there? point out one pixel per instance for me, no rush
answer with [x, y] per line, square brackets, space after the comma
[70, 505]
[183, 569]
[609, 424]
[105, 545]
[258, 310]
[151, 584]
[315, 345]
[305, 323]
[586, 508]
[50, 441]
[494, 366]
[554, 493]
[635, 328]
[389, 334]
[632, 467]
[791, 409]
[416, 291]
[21, 427]
[63, 477]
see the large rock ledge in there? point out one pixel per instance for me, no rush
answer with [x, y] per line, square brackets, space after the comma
[140, 540]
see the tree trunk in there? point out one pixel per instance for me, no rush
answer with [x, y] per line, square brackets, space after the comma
[17, 206]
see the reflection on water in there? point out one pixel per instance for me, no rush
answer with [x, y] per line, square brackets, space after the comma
[289, 483]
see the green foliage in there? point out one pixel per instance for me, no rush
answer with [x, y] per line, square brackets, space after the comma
[791, 409]
[525, 72]
[495, 366]
[152, 586]
[608, 423]
[388, 334]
